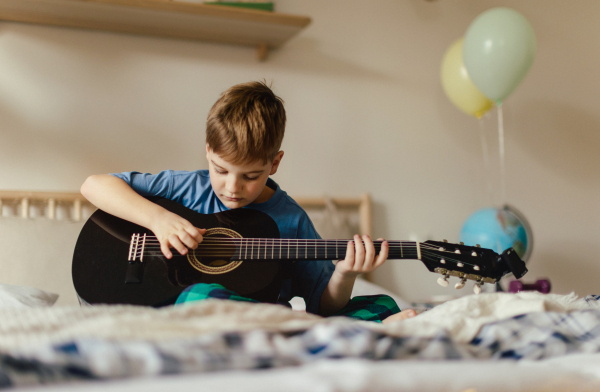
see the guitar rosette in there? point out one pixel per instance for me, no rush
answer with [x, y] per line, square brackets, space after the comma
[217, 259]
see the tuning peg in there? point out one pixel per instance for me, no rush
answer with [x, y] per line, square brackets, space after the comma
[445, 240]
[477, 288]
[443, 281]
[460, 284]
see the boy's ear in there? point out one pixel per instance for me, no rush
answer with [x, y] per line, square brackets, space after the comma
[276, 162]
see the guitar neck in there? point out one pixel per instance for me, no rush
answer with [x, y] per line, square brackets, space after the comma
[294, 249]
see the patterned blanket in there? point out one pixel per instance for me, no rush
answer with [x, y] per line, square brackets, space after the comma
[36, 349]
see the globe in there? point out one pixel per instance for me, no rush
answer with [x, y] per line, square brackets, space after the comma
[499, 229]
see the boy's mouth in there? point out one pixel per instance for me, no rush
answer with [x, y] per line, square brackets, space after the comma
[233, 198]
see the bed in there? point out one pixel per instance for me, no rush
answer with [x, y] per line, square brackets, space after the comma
[493, 342]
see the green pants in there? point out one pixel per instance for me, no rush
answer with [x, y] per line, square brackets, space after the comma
[369, 307]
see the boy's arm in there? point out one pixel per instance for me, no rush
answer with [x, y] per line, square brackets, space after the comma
[359, 259]
[115, 196]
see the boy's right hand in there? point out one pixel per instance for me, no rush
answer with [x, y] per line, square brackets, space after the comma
[173, 231]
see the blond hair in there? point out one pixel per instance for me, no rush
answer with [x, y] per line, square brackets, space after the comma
[246, 124]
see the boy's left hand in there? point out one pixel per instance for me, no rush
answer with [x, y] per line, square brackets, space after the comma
[361, 258]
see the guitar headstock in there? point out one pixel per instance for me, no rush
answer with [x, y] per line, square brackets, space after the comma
[470, 263]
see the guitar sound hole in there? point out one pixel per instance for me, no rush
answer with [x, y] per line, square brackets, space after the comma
[214, 252]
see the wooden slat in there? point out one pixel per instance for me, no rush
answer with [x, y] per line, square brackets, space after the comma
[363, 204]
[34, 195]
[173, 19]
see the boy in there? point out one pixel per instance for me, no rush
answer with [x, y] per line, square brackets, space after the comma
[244, 132]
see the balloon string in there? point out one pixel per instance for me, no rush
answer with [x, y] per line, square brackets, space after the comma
[486, 160]
[501, 150]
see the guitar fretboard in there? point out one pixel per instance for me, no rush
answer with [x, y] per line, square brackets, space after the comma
[272, 248]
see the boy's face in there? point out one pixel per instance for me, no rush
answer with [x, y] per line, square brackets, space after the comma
[238, 185]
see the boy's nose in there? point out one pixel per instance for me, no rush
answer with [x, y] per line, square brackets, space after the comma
[232, 185]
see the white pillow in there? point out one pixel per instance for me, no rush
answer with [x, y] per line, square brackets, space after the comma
[24, 297]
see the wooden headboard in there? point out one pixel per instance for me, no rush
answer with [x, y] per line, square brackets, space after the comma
[49, 201]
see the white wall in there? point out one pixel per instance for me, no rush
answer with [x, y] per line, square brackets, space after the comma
[366, 112]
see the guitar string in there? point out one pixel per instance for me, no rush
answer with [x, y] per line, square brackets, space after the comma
[330, 245]
[322, 253]
[325, 244]
[257, 249]
[301, 242]
[274, 249]
[323, 256]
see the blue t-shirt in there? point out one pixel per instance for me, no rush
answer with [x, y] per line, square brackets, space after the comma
[193, 190]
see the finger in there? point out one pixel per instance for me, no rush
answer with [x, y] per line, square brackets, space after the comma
[190, 236]
[349, 254]
[383, 254]
[164, 248]
[369, 252]
[359, 258]
[188, 240]
[176, 243]
[196, 233]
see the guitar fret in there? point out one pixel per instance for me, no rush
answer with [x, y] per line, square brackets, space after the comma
[273, 250]
[252, 249]
[288, 249]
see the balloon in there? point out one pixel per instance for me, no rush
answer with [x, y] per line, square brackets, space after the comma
[499, 49]
[458, 86]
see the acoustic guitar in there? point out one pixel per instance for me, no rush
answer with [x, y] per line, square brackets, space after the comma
[118, 262]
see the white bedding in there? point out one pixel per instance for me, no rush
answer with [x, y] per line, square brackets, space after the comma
[220, 340]
[580, 372]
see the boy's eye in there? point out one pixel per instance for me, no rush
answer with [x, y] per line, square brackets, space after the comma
[220, 171]
[250, 178]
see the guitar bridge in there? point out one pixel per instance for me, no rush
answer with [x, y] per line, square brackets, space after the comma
[135, 273]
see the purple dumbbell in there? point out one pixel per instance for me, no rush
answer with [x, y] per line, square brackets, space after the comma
[541, 285]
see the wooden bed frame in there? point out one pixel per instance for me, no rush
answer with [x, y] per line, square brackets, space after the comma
[50, 201]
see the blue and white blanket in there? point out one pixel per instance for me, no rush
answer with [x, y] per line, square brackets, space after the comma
[40, 352]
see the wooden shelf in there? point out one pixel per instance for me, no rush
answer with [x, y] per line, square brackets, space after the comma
[162, 18]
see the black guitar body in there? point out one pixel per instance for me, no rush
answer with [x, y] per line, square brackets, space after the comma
[102, 273]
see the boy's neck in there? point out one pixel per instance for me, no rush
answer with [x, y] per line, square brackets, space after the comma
[265, 195]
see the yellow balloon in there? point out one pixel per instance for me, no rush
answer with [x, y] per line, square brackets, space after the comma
[458, 86]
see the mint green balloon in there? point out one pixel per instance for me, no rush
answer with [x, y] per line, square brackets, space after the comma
[498, 51]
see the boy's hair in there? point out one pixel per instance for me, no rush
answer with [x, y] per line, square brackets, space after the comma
[246, 124]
